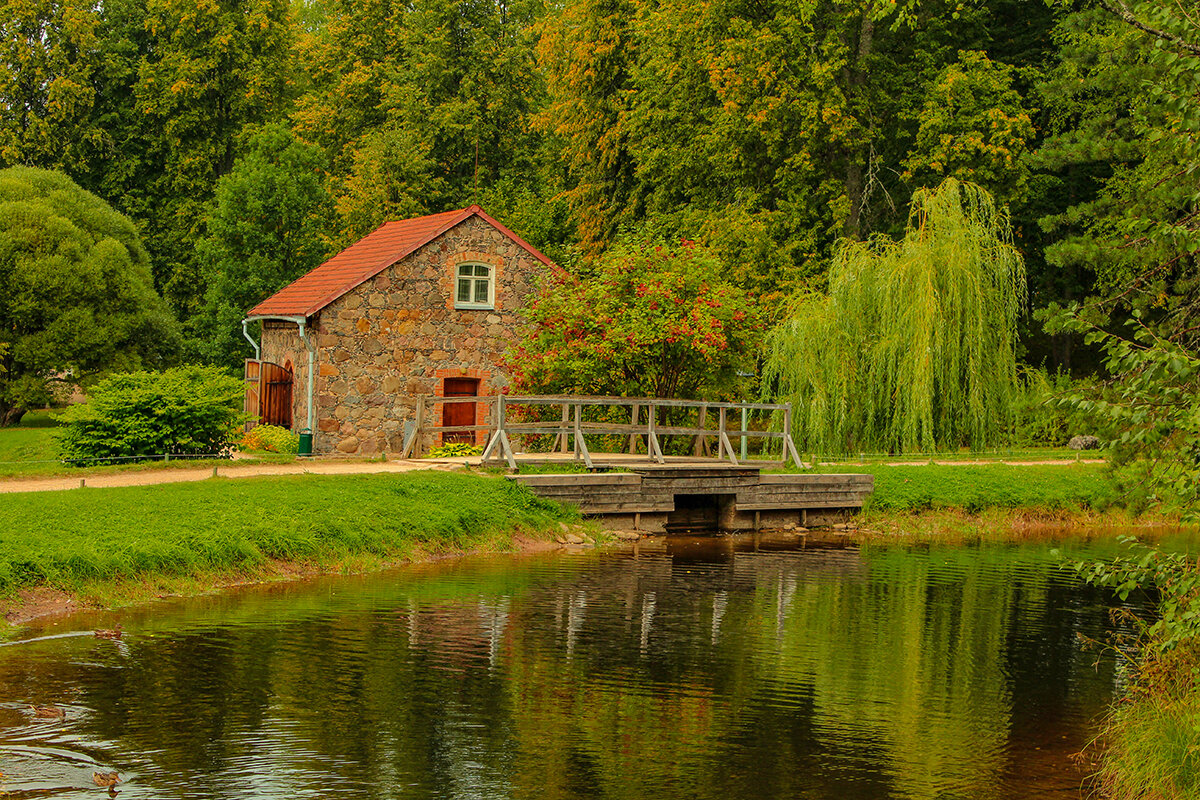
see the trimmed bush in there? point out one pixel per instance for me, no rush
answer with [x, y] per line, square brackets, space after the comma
[182, 411]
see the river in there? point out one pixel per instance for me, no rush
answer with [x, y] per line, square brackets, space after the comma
[722, 668]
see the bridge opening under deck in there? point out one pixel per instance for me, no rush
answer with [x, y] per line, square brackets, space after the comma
[697, 513]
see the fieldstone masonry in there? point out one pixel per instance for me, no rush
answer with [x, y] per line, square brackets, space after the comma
[398, 335]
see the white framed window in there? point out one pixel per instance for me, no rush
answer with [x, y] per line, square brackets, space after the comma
[475, 287]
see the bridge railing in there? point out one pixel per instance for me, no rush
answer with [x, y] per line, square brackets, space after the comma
[649, 420]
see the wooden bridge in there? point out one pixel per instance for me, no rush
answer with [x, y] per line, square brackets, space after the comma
[642, 488]
[575, 418]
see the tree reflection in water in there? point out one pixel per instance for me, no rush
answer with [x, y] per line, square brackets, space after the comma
[695, 668]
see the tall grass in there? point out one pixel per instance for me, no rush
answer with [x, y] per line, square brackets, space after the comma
[69, 539]
[1152, 738]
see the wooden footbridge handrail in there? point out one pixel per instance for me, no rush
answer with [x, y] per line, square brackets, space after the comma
[571, 430]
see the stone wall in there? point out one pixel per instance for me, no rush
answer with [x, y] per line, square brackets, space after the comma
[399, 335]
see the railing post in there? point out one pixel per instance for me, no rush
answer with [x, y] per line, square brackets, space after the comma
[789, 447]
[418, 433]
[653, 449]
[633, 421]
[787, 433]
[724, 439]
[563, 436]
[502, 435]
[698, 447]
[581, 448]
[745, 424]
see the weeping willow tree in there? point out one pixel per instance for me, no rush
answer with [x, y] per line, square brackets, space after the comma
[914, 347]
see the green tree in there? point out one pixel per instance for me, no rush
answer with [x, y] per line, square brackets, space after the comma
[973, 127]
[267, 228]
[407, 98]
[587, 51]
[76, 295]
[767, 128]
[210, 70]
[1141, 231]
[51, 53]
[645, 319]
[914, 347]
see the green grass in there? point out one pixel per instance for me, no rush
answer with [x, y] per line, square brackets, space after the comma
[1150, 742]
[29, 450]
[1004, 454]
[73, 538]
[30, 446]
[976, 488]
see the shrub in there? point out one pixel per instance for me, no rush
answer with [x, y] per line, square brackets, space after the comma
[1039, 419]
[272, 439]
[455, 450]
[181, 411]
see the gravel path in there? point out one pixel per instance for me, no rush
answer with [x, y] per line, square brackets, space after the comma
[339, 467]
[232, 470]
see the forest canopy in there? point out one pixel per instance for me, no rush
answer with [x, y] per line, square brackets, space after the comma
[245, 140]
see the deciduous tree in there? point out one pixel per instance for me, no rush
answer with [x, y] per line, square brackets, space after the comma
[267, 228]
[645, 319]
[76, 295]
[914, 347]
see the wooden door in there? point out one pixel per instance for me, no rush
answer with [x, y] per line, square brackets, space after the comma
[459, 413]
[276, 395]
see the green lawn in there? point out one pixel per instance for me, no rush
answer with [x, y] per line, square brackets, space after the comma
[29, 447]
[976, 487]
[29, 450]
[70, 538]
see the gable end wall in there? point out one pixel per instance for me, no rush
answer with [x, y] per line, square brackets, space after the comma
[398, 336]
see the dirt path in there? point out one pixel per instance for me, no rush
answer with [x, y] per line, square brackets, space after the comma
[232, 470]
[340, 467]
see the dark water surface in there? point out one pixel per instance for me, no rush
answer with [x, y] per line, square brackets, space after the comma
[694, 668]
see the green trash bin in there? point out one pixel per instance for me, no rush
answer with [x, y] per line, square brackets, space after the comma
[305, 448]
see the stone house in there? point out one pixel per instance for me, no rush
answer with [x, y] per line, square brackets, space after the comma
[424, 306]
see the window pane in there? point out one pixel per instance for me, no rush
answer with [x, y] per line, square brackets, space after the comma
[464, 291]
[481, 270]
[465, 270]
[481, 291]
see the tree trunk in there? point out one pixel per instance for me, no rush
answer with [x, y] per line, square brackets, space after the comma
[10, 415]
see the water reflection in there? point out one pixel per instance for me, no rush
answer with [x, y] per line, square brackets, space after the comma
[702, 668]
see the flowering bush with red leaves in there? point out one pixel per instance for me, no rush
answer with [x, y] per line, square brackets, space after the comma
[649, 319]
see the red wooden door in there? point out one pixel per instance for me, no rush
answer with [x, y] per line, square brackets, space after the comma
[459, 413]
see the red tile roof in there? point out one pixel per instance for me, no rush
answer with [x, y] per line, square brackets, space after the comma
[369, 256]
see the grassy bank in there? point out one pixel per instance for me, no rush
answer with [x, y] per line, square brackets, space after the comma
[1149, 743]
[1151, 739]
[973, 489]
[81, 539]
